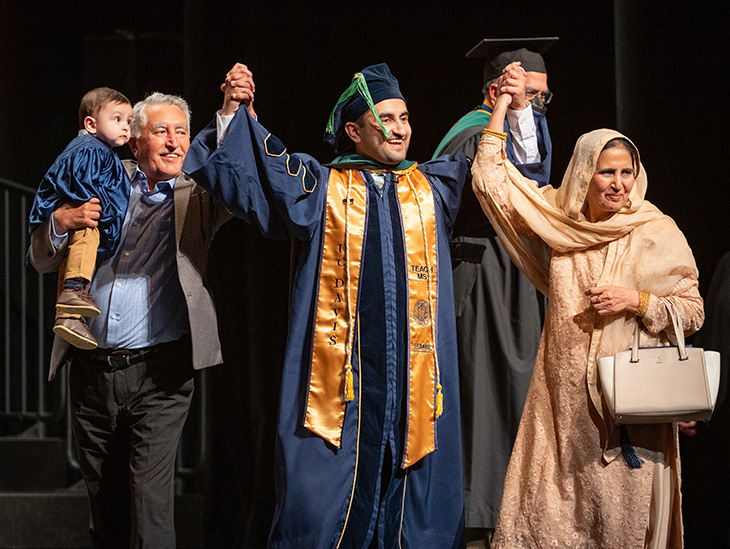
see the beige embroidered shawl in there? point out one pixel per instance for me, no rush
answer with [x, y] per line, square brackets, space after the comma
[657, 257]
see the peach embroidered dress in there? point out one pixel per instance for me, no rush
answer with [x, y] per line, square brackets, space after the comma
[567, 484]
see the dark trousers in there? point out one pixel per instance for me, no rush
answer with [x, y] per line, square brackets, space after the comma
[128, 413]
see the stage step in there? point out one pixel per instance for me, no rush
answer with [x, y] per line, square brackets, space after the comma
[61, 520]
[32, 464]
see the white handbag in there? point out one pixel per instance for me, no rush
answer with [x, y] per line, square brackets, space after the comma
[660, 384]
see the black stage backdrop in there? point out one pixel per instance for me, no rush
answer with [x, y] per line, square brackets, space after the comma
[661, 77]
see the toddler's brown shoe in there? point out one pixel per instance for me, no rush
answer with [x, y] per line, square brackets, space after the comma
[76, 302]
[75, 331]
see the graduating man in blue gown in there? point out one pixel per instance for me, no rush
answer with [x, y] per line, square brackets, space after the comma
[368, 445]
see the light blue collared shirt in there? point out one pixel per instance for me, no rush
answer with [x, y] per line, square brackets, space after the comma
[138, 290]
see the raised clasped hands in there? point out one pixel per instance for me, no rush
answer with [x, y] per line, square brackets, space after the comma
[512, 84]
[238, 88]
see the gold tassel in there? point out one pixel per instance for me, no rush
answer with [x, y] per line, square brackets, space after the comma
[439, 401]
[349, 386]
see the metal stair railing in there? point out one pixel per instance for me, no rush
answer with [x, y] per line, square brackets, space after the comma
[27, 298]
[28, 403]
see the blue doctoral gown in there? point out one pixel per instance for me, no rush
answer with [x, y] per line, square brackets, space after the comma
[350, 495]
[86, 168]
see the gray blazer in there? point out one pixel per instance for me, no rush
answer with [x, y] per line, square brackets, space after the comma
[197, 218]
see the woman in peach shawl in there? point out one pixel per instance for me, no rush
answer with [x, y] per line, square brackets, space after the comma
[602, 254]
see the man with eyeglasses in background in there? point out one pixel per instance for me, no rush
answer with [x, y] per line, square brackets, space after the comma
[499, 313]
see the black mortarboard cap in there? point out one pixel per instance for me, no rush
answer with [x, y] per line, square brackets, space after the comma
[500, 52]
[368, 87]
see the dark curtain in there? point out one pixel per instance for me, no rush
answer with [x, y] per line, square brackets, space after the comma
[250, 280]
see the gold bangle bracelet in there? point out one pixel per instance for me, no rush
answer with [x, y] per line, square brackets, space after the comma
[643, 303]
[500, 135]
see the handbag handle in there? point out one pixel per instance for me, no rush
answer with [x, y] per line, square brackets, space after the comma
[678, 332]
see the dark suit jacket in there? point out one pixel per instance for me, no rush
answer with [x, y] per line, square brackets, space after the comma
[197, 218]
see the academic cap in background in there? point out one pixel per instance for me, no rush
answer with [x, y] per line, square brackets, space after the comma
[368, 87]
[500, 52]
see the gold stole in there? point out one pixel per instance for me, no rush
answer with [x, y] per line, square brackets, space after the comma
[331, 380]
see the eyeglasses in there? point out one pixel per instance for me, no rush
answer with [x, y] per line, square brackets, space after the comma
[546, 96]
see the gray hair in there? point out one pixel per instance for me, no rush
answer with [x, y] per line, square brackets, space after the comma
[139, 112]
[487, 84]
